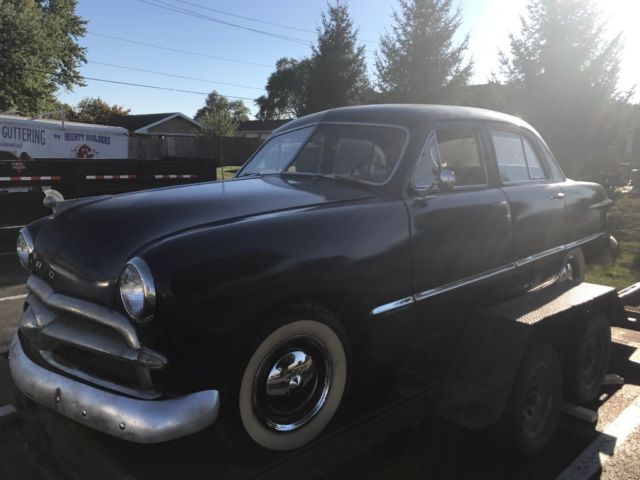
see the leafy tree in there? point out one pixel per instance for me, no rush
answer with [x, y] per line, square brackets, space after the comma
[566, 70]
[221, 116]
[96, 110]
[418, 61]
[39, 52]
[286, 90]
[338, 70]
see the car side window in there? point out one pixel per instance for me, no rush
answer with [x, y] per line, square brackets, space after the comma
[455, 149]
[516, 157]
[459, 151]
[426, 174]
[536, 172]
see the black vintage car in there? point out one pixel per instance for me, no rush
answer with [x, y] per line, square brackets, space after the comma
[349, 246]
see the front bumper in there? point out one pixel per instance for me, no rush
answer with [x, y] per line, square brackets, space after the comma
[140, 421]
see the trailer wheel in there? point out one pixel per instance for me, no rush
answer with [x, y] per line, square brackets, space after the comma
[536, 400]
[588, 359]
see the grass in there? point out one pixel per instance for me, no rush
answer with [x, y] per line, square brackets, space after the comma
[227, 173]
[625, 269]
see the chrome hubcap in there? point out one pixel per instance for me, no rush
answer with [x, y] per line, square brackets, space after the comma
[292, 384]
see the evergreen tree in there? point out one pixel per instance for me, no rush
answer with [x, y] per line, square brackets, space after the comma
[39, 53]
[418, 60]
[338, 71]
[566, 71]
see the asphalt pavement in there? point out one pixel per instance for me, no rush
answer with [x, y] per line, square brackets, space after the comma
[38, 444]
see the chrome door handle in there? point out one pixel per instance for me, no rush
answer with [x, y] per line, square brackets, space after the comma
[557, 196]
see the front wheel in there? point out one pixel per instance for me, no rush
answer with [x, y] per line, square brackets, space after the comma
[293, 382]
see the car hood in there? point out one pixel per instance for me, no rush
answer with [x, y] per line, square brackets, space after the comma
[92, 240]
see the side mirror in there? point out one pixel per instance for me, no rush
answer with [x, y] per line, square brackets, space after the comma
[447, 179]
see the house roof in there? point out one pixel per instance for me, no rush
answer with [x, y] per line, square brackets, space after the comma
[140, 123]
[261, 125]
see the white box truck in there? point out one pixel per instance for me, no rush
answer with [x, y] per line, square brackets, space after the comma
[37, 138]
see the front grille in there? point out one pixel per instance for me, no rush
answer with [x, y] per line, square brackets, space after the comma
[100, 366]
[87, 342]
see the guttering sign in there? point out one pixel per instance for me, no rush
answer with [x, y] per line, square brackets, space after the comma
[48, 139]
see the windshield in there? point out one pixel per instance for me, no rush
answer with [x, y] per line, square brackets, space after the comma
[362, 152]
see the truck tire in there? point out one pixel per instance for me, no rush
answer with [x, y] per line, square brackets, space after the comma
[587, 360]
[293, 381]
[536, 400]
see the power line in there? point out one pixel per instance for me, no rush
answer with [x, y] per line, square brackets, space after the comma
[177, 50]
[124, 67]
[191, 13]
[142, 85]
[251, 19]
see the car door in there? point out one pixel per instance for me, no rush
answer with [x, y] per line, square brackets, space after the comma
[462, 242]
[537, 205]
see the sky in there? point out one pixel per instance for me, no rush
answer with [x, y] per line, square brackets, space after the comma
[237, 61]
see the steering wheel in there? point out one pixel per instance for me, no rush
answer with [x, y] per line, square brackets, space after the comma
[370, 171]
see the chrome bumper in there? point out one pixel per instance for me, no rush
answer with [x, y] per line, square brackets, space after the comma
[140, 421]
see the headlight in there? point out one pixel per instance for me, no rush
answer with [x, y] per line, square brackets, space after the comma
[137, 291]
[24, 248]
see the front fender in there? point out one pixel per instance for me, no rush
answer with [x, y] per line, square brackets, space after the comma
[216, 285]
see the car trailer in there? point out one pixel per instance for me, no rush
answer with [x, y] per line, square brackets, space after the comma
[487, 383]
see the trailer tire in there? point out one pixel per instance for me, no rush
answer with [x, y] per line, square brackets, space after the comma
[536, 400]
[587, 360]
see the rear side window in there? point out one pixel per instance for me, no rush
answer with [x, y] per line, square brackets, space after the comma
[516, 157]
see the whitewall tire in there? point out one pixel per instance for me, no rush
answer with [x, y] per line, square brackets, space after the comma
[293, 384]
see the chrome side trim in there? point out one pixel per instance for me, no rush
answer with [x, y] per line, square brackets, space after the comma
[140, 421]
[582, 241]
[464, 282]
[538, 256]
[387, 307]
[85, 309]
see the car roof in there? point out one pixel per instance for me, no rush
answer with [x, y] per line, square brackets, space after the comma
[405, 115]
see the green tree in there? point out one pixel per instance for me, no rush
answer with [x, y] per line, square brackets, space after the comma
[338, 70]
[566, 69]
[418, 60]
[220, 116]
[335, 74]
[286, 90]
[96, 110]
[39, 52]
